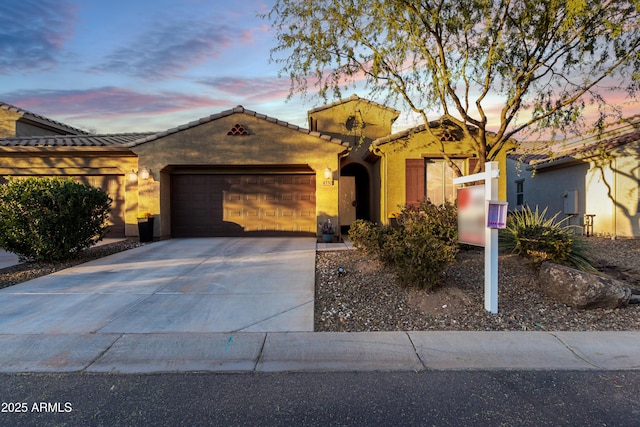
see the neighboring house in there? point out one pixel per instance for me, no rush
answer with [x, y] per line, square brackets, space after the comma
[239, 173]
[589, 180]
[15, 121]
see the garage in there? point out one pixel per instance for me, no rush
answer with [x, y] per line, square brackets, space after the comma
[243, 204]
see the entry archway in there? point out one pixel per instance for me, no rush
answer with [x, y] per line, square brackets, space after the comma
[355, 194]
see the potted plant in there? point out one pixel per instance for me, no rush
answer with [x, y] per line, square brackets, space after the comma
[145, 227]
[327, 231]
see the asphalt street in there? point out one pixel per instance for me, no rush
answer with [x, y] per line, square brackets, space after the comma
[426, 398]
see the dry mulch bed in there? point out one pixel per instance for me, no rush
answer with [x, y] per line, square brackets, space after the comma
[366, 297]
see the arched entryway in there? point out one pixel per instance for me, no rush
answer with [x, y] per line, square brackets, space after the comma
[355, 194]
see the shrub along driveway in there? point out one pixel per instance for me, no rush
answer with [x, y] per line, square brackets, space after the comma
[179, 285]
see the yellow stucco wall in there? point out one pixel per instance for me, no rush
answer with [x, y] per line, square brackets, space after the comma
[8, 123]
[419, 145]
[76, 161]
[208, 145]
[332, 120]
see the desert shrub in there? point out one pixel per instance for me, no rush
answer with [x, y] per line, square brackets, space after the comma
[440, 221]
[419, 249]
[365, 236]
[532, 235]
[51, 219]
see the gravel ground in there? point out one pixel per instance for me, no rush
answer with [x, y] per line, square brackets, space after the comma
[30, 270]
[366, 298]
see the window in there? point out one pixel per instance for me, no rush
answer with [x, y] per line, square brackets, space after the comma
[520, 192]
[439, 178]
[430, 179]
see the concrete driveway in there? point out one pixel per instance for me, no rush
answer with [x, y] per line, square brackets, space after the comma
[179, 285]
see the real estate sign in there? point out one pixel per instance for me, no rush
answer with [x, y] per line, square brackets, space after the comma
[471, 215]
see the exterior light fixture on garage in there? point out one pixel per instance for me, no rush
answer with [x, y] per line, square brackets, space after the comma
[143, 174]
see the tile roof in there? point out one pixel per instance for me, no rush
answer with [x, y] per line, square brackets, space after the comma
[42, 119]
[353, 97]
[237, 110]
[540, 153]
[113, 140]
[451, 132]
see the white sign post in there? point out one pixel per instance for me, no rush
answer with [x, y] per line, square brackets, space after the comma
[490, 177]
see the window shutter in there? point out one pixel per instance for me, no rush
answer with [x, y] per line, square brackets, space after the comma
[473, 161]
[414, 171]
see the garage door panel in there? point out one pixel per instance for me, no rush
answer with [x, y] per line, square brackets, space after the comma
[241, 204]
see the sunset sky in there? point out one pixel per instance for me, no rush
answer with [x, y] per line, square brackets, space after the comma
[141, 65]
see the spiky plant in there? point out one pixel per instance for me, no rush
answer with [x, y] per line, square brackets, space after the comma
[532, 235]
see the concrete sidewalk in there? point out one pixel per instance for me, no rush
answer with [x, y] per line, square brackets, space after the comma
[308, 351]
[155, 309]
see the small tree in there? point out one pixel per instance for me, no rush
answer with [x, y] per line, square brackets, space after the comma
[540, 62]
[51, 219]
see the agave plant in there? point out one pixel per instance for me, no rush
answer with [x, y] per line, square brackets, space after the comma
[531, 234]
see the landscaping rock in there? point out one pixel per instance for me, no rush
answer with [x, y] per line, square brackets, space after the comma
[580, 289]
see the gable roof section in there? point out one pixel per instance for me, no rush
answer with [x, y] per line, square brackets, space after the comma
[113, 140]
[37, 118]
[548, 153]
[446, 125]
[353, 97]
[237, 110]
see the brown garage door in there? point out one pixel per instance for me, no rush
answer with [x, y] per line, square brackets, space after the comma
[237, 205]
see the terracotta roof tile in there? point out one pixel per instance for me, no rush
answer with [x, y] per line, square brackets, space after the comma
[353, 97]
[39, 118]
[112, 140]
[236, 110]
[547, 152]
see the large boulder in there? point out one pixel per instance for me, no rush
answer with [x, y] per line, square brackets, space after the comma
[582, 290]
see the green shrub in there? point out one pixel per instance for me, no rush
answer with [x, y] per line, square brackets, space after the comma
[365, 236]
[532, 235]
[419, 249]
[51, 219]
[440, 221]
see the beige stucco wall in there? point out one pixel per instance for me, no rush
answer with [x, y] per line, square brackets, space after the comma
[8, 123]
[75, 161]
[612, 195]
[209, 145]
[416, 146]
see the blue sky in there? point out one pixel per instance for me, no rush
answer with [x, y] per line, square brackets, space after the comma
[145, 65]
[138, 65]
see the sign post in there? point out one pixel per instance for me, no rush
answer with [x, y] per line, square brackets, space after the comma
[494, 217]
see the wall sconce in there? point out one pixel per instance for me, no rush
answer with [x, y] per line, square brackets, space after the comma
[328, 173]
[144, 174]
[328, 177]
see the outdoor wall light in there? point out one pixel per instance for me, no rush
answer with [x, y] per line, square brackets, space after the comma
[328, 173]
[144, 174]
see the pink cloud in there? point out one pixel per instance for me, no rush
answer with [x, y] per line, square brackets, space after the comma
[256, 89]
[109, 102]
